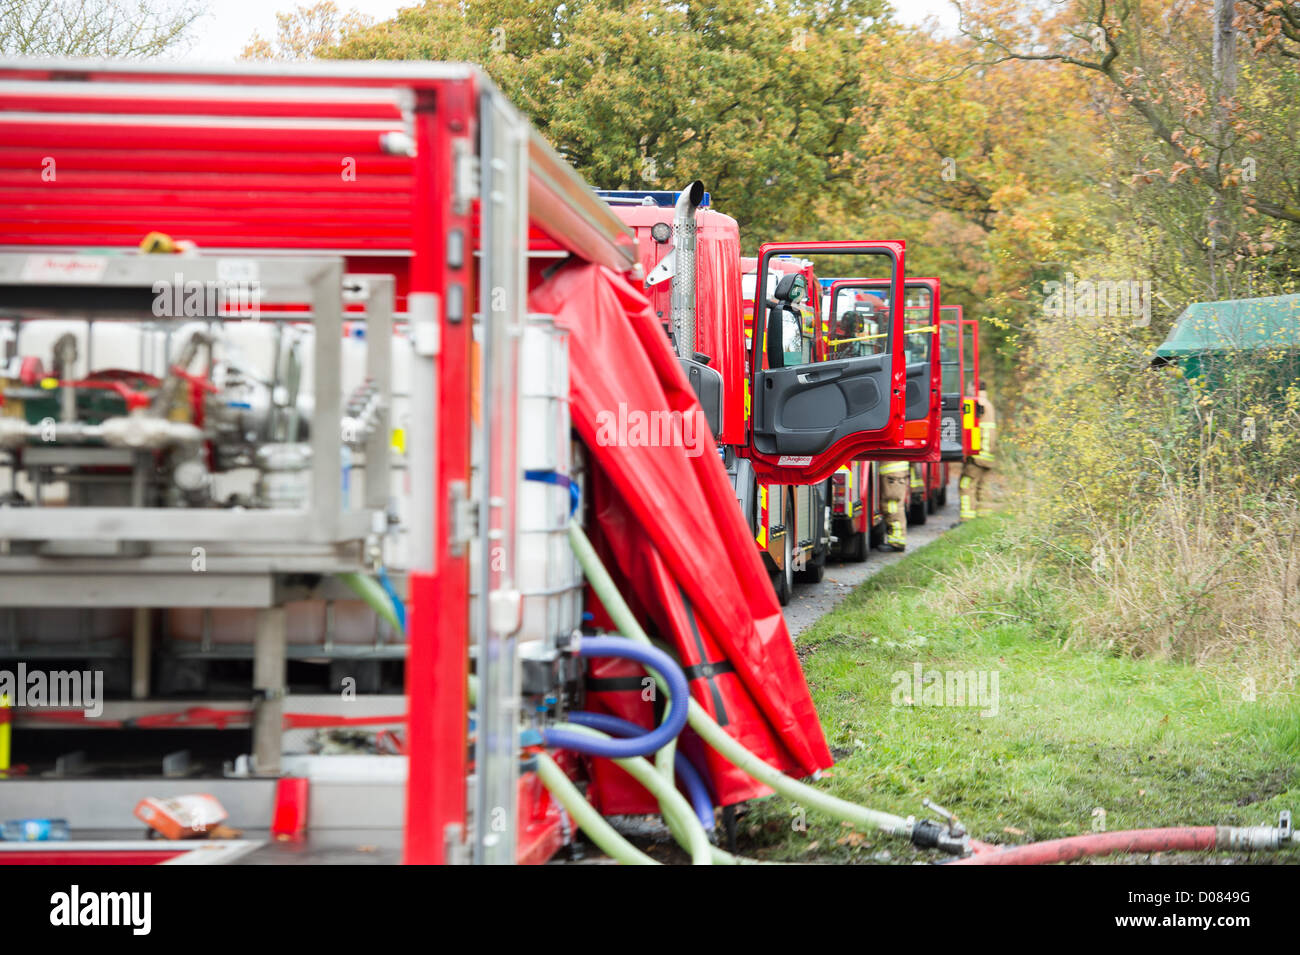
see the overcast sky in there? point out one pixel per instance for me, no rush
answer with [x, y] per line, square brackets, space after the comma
[229, 24]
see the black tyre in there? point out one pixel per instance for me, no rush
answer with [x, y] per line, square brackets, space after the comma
[857, 549]
[813, 571]
[916, 511]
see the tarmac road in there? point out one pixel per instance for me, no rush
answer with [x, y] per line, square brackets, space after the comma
[812, 601]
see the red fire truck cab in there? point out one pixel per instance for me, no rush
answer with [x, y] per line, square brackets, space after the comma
[853, 307]
[783, 420]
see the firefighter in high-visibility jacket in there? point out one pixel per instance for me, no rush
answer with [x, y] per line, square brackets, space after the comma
[975, 472]
[895, 490]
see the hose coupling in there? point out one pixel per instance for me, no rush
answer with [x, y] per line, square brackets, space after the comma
[949, 836]
[1281, 836]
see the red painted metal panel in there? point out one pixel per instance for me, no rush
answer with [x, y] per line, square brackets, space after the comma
[437, 662]
[542, 822]
[718, 297]
[187, 105]
[90, 856]
[229, 169]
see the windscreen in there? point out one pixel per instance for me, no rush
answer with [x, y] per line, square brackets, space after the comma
[949, 352]
[919, 328]
[969, 344]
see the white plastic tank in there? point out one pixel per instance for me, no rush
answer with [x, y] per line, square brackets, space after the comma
[549, 576]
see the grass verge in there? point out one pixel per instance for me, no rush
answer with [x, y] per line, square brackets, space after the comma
[1063, 736]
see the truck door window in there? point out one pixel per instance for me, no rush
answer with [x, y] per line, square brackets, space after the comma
[920, 329]
[949, 355]
[856, 324]
[789, 330]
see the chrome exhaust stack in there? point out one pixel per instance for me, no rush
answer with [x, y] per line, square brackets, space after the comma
[682, 301]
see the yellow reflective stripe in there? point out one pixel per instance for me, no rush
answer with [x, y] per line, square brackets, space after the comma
[860, 338]
[894, 467]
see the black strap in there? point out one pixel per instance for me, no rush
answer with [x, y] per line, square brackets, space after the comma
[704, 671]
[707, 677]
[614, 684]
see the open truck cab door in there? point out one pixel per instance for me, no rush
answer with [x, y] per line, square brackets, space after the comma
[920, 348]
[970, 430]
[952, 361]
[808, 416]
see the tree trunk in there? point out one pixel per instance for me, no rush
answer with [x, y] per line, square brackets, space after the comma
[1223, 89]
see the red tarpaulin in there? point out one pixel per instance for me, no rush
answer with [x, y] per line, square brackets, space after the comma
[667, 523]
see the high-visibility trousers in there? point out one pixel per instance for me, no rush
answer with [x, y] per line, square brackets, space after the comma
[895, 490]
[974, 486]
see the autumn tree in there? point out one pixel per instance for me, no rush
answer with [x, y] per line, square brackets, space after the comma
[1203, 101]
[306, 32]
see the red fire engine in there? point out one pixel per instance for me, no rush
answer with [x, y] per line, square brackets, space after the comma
[852, 306]
[789, 517]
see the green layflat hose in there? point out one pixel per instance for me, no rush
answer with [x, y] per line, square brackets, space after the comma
[677, 811]
[585, 815]
[713, 734]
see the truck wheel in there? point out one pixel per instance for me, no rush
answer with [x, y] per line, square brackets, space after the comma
[916, 511]
[813, 571]
[857, 550]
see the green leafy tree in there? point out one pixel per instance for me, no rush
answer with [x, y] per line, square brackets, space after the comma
[761, 105]
[103, 28]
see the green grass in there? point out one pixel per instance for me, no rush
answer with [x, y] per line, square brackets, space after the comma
[1150, 742]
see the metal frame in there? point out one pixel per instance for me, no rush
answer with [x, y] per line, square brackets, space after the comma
[323, 521]
[496, 618]
[215, 852]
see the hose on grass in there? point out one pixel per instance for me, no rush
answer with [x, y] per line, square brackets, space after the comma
[713, 734]
[1170, 839]
[1183, 838]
